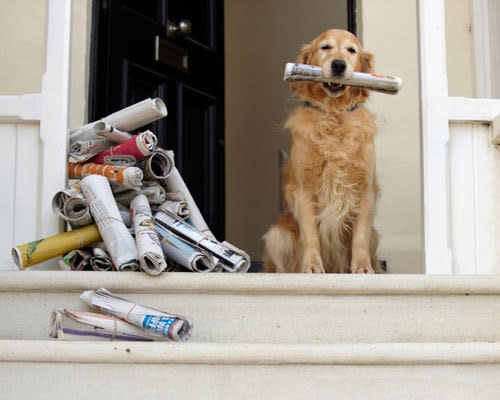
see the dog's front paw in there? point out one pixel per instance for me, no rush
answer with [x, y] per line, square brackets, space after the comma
[362, 268]
[313, 265]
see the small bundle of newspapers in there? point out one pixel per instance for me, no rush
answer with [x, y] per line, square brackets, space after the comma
[123, 320]
[128, 206]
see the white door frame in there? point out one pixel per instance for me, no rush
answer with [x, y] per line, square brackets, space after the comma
[437, 110]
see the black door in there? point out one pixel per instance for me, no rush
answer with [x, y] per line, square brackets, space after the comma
[171, 49]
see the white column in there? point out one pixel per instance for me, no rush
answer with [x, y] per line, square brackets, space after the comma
[435, 135]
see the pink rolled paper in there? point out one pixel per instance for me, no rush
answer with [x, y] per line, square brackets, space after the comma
[139, 146]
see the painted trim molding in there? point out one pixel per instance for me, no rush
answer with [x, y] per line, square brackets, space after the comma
[257, 284]
[249, 353]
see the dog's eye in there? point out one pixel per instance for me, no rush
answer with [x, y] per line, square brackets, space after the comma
[351, 50]
[325, 47]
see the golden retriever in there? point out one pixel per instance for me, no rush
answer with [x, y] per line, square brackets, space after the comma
[330, 187]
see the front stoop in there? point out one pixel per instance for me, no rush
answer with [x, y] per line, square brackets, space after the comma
[262, 336]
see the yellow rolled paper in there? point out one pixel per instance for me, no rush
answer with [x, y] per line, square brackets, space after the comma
[32, 253]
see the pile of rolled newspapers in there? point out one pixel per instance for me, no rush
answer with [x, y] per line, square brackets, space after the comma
[123, 320]
[128, 207]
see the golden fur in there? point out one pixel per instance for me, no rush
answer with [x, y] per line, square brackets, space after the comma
[329, 185]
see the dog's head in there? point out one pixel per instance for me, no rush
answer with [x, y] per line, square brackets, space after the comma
[339, 54]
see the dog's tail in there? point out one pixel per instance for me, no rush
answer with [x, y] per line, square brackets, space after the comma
[281, 246]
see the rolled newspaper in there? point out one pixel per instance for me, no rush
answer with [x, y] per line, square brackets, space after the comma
[125, 214]
[175, 183]
[184, 253]
[70, 205]
[76, 260]
[32, 253]
[138, 146]
[101, 260]
[158, 165]
[379, 83]
[98, 129]
[231, 258]
[127, 119]
[83, 150]
[150, 254]
[79, 325]
[178, 207]
[151, 189]
[137, 115]
[130, 177]
[156, 322]
[119, 241]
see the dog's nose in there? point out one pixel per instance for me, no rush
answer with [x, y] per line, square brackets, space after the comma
[338, 67]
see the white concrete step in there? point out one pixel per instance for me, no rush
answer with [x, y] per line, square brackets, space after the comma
[269, 308]
[126, 370]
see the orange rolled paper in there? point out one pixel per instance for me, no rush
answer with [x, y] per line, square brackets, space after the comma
[127, 176]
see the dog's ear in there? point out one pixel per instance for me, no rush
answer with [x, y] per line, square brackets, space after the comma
[305, 54]
[366, 61]
[304, 57]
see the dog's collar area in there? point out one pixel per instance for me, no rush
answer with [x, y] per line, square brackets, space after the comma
[309, 105]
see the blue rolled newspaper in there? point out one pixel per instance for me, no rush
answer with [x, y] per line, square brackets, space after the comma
[158, 323]
[228, 257]
[183, 252]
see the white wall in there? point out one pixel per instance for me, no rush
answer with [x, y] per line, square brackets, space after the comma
[390, 33]
[460, 48]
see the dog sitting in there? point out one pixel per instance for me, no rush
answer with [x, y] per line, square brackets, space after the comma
[330, 188]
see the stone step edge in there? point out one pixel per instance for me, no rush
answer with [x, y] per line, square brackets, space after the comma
[280, 284]
[48, 351]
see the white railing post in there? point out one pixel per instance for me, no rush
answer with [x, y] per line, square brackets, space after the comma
[55, 111]
[435, 135]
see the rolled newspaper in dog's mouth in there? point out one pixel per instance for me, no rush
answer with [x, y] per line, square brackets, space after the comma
[158, 323]
[379, 83]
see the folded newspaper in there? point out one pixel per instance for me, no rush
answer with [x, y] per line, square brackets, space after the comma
[150, 254]
[70, 205]
[155, 322]
[119, 241]
[127, 119]
[79, 325]
[183, 252]
[229, 257]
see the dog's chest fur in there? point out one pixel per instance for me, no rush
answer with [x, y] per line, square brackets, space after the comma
[330, 151]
